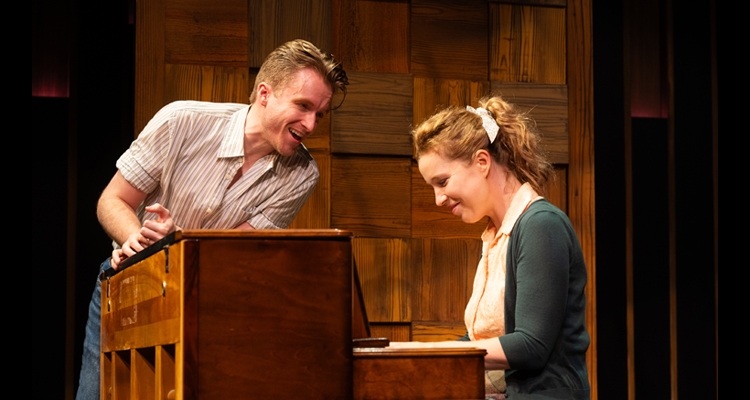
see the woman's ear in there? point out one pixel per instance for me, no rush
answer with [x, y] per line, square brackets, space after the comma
[483, 161]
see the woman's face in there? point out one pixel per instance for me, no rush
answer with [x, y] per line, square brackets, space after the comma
[458, 185]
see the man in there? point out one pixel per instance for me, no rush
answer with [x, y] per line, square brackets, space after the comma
[199, 165]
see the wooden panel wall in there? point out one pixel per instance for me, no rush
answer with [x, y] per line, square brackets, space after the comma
[404, 60]
[580, 191]
[189, 50]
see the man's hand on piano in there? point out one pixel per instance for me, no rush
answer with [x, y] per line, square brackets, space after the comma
[151, 231]
[155, 229]
[116, 259]
[135, 243]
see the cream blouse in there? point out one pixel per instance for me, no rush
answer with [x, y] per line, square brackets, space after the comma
[485, 313]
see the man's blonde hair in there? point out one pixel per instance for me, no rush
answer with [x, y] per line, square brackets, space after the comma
[293, 56]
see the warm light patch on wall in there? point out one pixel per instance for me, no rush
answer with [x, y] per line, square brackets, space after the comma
[50, 49]
[647, 62]
[50, 83]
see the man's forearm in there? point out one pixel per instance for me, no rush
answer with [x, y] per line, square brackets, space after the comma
[117, 218]
[116, 209]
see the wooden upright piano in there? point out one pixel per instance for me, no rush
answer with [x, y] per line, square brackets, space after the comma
[228, 314]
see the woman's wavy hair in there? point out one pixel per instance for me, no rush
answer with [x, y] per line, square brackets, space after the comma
[457, 133]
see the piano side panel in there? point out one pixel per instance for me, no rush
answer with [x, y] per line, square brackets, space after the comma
[187, 365]
[274, 319]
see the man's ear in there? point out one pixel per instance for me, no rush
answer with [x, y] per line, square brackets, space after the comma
[483, 161]
[264, 91]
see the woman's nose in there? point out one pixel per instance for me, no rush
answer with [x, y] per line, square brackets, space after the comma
[440, 198]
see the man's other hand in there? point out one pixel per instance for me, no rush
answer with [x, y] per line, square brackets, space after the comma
[155, 229]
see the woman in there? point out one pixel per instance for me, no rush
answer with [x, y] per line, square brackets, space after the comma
[527, 308]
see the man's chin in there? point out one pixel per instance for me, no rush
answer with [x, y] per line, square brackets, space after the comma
[288, 150]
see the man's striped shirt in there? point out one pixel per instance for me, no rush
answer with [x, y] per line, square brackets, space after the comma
[186, 157]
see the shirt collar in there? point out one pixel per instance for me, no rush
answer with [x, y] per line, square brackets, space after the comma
[233, 143]
[521, 200]
[234, 140]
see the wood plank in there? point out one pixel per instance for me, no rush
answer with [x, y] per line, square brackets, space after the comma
[548, 106]
[106, 371]
[206, 83]
[149, 62]
[359, 41]
[436, 331]
[428, 220]
[395, 332]
[434, 94]
[204, 32]
[252, 73]
[376, 115]
[449, 39]
[316, 213]
[444, 271]
[143, 373]
[383, 266]
[557, 188]
[370, 196]
[121, 388]
[581, 186]
[527, 44]
[165, 372]
[230, 85]
[275, 22]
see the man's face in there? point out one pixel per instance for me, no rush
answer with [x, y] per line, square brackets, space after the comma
[292, 112]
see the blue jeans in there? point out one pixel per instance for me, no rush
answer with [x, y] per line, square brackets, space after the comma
[88, 383]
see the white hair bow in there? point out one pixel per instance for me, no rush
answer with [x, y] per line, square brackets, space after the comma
[489, 123]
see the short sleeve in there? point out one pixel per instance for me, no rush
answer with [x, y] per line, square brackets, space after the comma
[142, 163]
